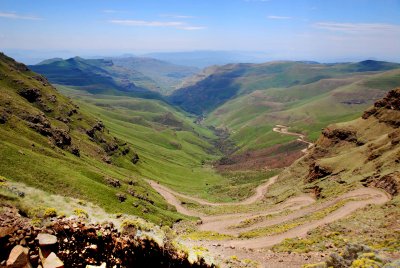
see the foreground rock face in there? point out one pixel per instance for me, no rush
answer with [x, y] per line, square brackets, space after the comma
[73, 243]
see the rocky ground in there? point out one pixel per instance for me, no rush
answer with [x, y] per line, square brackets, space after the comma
[71, 242]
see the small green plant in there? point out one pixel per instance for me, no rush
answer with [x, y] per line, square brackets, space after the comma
[50, 213]
[143, 226]
[36, 222]
[81, 213]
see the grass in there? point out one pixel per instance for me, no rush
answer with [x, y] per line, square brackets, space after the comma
[281, 228]
[206, 235]
[306, 108]
[28, 157]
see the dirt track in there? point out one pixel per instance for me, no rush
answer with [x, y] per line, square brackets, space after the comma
[285, 130]
[298, 206]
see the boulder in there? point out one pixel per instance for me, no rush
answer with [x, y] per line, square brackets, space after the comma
[52, 261]
[18, 257]
[46, 239]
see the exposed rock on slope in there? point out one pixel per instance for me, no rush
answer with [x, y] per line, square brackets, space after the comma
[30, 99]
[74, 243]
[365, 152]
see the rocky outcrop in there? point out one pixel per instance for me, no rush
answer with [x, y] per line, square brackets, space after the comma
[317, 172]
[30, 94]
[113, 182]
[59, 137]
[337, 135]
[99, 126]
[390, 183]
[74, 243]
[386, 110]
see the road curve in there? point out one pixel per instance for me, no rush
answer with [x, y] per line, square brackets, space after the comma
[302, 138]
[297, 206]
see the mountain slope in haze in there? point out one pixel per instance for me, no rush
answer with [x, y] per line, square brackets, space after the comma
[167, 76]
[361, 153]
[50, 143]
[217, 85]
[97, 76]
[202, 58]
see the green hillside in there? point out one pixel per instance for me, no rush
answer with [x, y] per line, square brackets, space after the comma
[49, 142]
[166, 76]
[97, 76]
[305, 108]
[215, 86]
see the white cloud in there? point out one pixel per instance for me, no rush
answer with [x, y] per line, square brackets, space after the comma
[174, 16]
[110, 11]
[192, 28]
[360, 28]
[174, 24]
[272, 17]
[12, 15]
[148, 23]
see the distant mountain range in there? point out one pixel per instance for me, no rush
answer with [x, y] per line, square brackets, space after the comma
[139, 77]
[205, 58]
[217, 84]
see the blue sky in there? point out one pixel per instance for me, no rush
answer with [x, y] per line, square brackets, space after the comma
[296, 30]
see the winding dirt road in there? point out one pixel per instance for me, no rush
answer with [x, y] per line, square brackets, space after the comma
[297, 207]
[302, 138]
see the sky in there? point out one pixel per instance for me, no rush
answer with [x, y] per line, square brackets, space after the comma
[322, 30]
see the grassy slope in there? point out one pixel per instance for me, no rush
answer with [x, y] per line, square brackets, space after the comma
[305, 108]
[171, 148]
[376, 226]
[167, 76]
[217, 85]
[28, 157]
[98, 76]
[176, 155]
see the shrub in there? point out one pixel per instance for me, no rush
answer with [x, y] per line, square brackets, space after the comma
[81, 213]
[50, 212]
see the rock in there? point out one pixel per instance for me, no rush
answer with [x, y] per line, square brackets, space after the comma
[135, 158]
[336, 135]
[52, 261]
[75, 151]
[390, 183]
[30, 94]
[6, 231]
[125, 151]
[46, 239]
[121, 197]
[113, 182]
[18, 257]
[316, 172]
[103, 265]
[3, 118]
